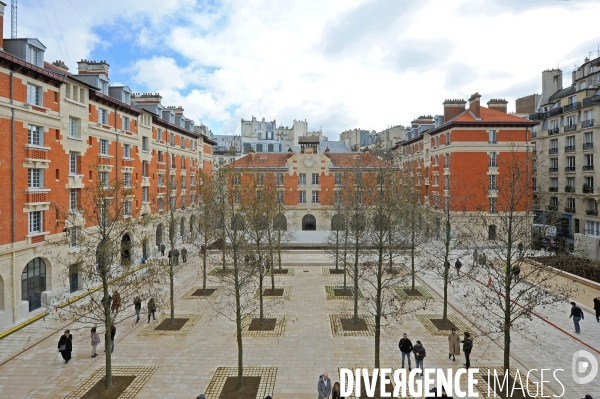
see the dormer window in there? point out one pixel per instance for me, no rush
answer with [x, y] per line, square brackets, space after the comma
[35, 56]
[126, 97]
[103, 87]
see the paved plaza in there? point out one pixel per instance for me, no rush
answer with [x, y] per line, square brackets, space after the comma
[305, 345]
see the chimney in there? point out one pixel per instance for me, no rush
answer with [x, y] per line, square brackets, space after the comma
[177, 109]
[87, 67]
[474, 104]
[146, 98]
[453, 108]
[60, 64]
[499, 104]
[251, 152]
[2, 5]
[367, 155]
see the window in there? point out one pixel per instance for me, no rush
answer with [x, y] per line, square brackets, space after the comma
[302, 197]
[237, 179]
[35, 222]
[35, 135]
[554, 184]
[103, 147]
[35, 178]
[161, 180]
[73, 237]
[570, 204]
[315, 178]
[571, 121]
[280, 179]
[338, 197]
[588, 161]
[192, 200]
[144, 168]
[436, 180]
[302, 179]
[126, 151]
[159, 134]
[172, 182]
[73, 127]
[34, 95]
[588, 140]
[447, 161]
[160, 204]
[172, 160]
[437, 141]
[160, 156]
[447, 138]
[102, 116]
[172, 139]
[73, 163]
[172, 202]
[126, 97]
[183, 163]
[315, 197]
[493, 205]
[127, 180]
[34, 56]
[183, 183]
[192, 145]
[192, 181]
[589, 182]
[493, 160]
[144, 143]
[338, 179]
[493, 182]
[570, 187]
[592, 228]
[492, 137]
[103, 179]
[436, 160]
[554, 146]
[73, 199]
[182, 142]
[103, 86]
[126, 124]
[280, 197]
[260, 178]
[127, 208]
[446, 182]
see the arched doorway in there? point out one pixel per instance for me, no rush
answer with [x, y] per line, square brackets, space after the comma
[126, 248]
[309, 223]
[145, 248]
[33, 283]
[159, 234]
[280, 223]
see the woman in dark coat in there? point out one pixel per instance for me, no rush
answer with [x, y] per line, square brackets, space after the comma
[65, 346]
[597, 308]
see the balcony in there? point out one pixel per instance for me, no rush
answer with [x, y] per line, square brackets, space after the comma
[537, 116]
[552, 131]
[570, 148]
[569, 168]
[572, 107]
[588, 123]
[553, 151]
[553, 170]
[588, 167]
[555, 111]
[553, 208]
[553, 189]
[569, 189]
[591, 100]
[587, 189]
[588, 146]
[569, 210]
[570, 128]
[591, 212]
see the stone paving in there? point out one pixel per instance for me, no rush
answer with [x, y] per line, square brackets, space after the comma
[185, 365]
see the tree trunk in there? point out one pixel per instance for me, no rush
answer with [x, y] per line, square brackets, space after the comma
[446, 268]
[345, 259]
[107, 325]
[378, 305]
[412, 259]
[238, 319]
[356, 278]
[271, 260]
[279, 248]
[204, 264]
[337, 248]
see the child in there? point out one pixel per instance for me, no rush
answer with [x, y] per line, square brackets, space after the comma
[95, 341]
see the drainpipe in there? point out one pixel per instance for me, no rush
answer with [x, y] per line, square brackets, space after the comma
[12, 194]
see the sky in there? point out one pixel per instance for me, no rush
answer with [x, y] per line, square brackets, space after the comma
[338, 64]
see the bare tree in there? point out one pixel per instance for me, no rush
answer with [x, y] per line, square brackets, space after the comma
[103, 232]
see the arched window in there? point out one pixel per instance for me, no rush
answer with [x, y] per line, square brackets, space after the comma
[145, 248]
[33, 283]
[280, 223]
[337, 222]
[491, 232]
[309, 223]
[126, 248]
[159, 234]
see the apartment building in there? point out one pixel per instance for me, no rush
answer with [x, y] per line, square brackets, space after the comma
[452, 160]
[308, 181]
[567, 182]
[59, 128]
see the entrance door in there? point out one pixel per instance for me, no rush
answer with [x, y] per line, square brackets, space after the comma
[33, 283]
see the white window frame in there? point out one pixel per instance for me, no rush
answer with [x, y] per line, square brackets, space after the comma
[35, 178]
[492, 137]
[145, 193]
[73, 163]
[35, 135]
[302, 179]
[126, 150]
[34, 95]
[35, 222]
[103, 176]
[73, 237]
[73, 127]
[127, 180]
[102, 116]
[127, 208]
[145, 143]
[73, 199]
[126, 124]
[104, 147]
[315, 197]
[302, 197]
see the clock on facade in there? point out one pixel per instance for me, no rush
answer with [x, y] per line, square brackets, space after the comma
[308, 162]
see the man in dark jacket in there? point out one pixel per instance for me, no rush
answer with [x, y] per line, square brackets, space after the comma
[419, 351]
[65, 345]
[162, 249]
[184, 254]
[176, 254]
[137, 302]
[113, 332]
[458, 265]
[577, 315]
[467, 348]
[406, 348]
[171, 257]
[597, 308]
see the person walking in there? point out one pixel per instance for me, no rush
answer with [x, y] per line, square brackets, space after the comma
[475, 257]
[162, 249]
[171, 256]
[458, 265]
[453, 345]
[516, 272]
[467, 348]
[419, 351]
[577, 315]
[336, 392]
[597, 308]
[151, 309]
[116, 302]
[137, 303]
[113, 332]
[176, 255]
[324, 386]
[65, 346]
[95, 341]
[184, 254]
[406, 348]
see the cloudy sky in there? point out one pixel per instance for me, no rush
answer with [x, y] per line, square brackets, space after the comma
[339, 64]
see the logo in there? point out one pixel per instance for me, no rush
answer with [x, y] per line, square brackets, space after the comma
[584, 362]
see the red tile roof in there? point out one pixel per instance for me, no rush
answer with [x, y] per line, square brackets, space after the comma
[488, 115]
[261, 161]
[348, 160]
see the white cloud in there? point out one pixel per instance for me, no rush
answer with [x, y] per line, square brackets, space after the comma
[339, 64]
